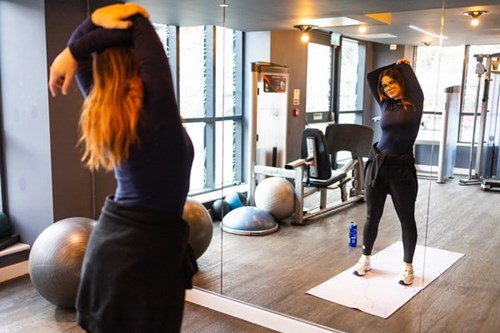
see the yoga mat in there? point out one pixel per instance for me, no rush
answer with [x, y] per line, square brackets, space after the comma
[378, 292]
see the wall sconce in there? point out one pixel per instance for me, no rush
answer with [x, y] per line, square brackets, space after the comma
[305, 28]
[475, 14]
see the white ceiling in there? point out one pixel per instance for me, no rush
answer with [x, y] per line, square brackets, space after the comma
[436, 16]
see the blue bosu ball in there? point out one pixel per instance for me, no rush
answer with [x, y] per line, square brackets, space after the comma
[249, 221]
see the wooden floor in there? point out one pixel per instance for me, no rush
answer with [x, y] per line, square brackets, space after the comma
[23, 310]
[276, 270]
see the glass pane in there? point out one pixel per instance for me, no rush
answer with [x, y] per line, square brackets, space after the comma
[192, 72]
[352, 75]
[431, 127]
[319, 77]
[225, 67]
[467, 124]
[163, 31]
[198, 174]
[226, 152]
[347, 118]
[437, 68]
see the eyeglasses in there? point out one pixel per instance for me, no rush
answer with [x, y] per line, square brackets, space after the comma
[388, 84]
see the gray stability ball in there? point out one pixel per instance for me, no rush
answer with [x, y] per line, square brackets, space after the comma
[200, 225]
[55, 260]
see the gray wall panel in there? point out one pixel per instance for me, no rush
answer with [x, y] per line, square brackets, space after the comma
[25, 116]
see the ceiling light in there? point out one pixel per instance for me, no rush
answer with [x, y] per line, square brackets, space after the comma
[305, 28]
[362, 29]
[475, 14]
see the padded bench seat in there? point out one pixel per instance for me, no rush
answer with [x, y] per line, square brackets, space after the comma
[336, 177]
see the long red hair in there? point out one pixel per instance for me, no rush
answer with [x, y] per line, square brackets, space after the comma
[111, 111]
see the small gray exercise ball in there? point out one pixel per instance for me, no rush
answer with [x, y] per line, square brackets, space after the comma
[200, 225]
[56, 257]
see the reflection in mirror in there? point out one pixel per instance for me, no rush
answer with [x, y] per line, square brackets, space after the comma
[276, 271]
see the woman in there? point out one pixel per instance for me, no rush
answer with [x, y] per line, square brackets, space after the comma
[391, 165]
[138, 262]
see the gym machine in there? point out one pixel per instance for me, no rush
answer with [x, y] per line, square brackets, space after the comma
[476, 178]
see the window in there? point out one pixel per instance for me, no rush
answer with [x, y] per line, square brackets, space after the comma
[351, 81]
[209, 86]
[440, 67]
[209, 89]
[319, 82]
[437, 68]
[322, 76]
[228, 101]
[471, 93]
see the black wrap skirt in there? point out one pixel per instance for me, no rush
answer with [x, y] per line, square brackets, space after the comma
[136, 268]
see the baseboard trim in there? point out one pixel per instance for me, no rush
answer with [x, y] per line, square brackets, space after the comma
[252, 313]
[13, 271]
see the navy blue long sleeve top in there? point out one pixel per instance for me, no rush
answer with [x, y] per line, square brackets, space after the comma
[157, 172]
[399, 126]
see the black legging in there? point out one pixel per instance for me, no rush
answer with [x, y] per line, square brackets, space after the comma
[397, 177]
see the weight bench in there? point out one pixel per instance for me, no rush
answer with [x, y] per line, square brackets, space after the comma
[313, 172]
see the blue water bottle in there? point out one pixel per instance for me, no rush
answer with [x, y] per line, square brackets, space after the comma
[353, 234]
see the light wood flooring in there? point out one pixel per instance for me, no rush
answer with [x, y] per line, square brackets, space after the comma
[23, 310]
[276, 270]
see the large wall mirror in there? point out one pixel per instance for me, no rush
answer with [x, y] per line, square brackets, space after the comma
[214, 44]
[211, 46]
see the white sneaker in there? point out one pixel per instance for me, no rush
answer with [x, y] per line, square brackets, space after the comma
[362, 266]
[406, 276]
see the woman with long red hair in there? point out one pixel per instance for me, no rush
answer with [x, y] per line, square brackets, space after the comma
[138, 262]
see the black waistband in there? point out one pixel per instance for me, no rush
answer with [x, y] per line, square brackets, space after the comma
[375, 154]
[377, 158]
[139, 216]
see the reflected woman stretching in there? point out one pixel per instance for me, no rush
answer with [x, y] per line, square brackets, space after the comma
[391, 166]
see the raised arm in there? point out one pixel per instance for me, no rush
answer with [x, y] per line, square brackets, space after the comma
[105, 28]
[372, 79]
[94, 40]
[413, 90]
[153, 62]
